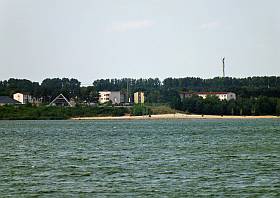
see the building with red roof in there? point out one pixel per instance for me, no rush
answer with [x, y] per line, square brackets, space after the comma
[221, 95]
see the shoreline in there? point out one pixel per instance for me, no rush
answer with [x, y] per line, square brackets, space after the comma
[174, 116]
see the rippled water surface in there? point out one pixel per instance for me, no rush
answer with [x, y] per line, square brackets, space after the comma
[160, 158]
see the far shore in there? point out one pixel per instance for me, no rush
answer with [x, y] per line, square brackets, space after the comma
[175, 116]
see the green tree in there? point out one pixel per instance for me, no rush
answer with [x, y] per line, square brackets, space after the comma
[139, 110]
[278, 107]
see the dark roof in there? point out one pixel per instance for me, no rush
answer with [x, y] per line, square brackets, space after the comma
[8, 100]
[211, 93]
[206, 93]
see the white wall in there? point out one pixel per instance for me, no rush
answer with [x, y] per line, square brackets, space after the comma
[106, 96]
[231, 96]
[18, 97]
[22, 98]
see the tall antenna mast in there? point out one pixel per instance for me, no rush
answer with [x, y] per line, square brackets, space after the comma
[223, 67]
[127, 91]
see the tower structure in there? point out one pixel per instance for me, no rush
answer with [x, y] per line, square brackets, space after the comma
[127, 91]
[223, 60]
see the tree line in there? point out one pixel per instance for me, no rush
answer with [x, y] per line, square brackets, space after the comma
[252, 92]
[261, 105]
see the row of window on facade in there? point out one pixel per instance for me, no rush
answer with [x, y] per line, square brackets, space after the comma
[117, 97]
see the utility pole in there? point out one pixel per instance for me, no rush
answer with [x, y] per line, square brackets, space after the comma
[223, 66]
[127, 91]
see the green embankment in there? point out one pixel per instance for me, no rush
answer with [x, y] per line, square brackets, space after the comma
[26, 112]
[161, 109]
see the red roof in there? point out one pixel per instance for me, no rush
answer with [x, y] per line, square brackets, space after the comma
[206, 93]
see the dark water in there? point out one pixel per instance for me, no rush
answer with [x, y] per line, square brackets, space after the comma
[168, 158]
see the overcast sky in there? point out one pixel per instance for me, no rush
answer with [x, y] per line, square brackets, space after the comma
[92, 39]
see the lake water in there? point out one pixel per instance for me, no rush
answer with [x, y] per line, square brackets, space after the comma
[156, 158]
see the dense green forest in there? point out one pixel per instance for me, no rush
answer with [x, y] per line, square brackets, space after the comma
[255, 95]
[262, 105]
[28, 112]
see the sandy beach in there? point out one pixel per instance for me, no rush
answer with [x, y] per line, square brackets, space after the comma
[175, 116]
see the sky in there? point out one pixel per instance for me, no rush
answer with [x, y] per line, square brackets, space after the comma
[93, 39]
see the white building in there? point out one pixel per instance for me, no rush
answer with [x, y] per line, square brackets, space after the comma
[114, 96]
[221, 95]
[22, 98]
[139, 98]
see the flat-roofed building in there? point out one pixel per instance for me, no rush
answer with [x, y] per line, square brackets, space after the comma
[221, 95]
[139, 98]
[115, 96]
